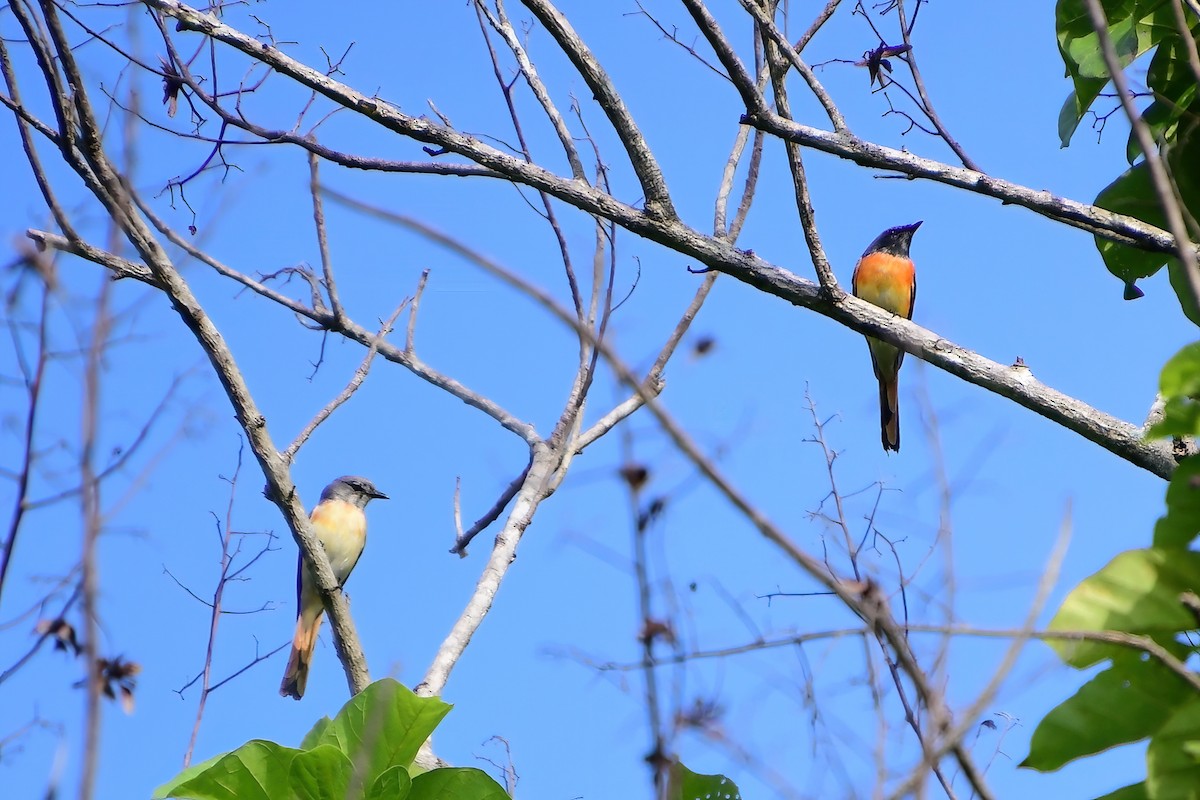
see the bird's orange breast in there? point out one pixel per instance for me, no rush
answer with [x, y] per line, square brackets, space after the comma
[886, 281]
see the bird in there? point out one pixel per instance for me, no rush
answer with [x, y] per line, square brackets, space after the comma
[341, 526]
[885, 277]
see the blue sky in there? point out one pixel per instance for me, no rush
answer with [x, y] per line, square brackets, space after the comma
[997, 279]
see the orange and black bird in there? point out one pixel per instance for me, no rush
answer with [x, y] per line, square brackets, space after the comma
[885, 277]
[340, 524]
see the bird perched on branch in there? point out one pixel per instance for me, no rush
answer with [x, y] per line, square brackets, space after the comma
[340, 524]
[885, 277]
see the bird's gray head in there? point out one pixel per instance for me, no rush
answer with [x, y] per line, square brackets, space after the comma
[352, 489]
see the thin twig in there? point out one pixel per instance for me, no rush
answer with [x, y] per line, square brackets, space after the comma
[955, 735]
[314, 188]
[410, 335]
[356, 381]
[510, 38]
[463, 538]
[215, 610]
[926, 104]
[33, 390]
[817, 24]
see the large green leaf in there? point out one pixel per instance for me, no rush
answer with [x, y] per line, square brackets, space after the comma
[1138, 592]
[1130, 701]
[1173, 758]
[258, 770]
[687, 785]
[456, 783]
[383, 726]
[322, 773]
[1132, 193]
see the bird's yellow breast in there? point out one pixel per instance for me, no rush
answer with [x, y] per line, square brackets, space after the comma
[342, 529]
[886, 281]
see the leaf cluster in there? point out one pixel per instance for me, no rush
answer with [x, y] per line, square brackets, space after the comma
[1137, 28]
[367, 751]
[1146, 693]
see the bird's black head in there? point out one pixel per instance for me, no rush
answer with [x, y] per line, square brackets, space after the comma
[894, 241]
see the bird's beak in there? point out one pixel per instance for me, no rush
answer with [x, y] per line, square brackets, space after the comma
[378, 495]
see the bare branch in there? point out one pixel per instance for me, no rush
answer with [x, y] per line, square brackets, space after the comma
[767, 25]
[804, 207]
[654, 185]
[504, 27]
[103, 179]
[817, 24]
[463, 538]
[528, 498]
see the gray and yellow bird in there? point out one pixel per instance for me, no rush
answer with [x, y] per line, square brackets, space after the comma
[341, 525]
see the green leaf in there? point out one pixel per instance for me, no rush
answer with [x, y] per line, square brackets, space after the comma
[1180, 376]
[1075, 106]
[1173, 86]
[1181, 155]
[258, 770]
[383, 726]
[1179, 383]
[393, 784]
[1183, 290]
[1181, 524]
[322, 773]
[687, 785]
[168, 789]
[456, 783]
[1132, 193]
[313, 737]
[1135, 792]
[1137, 592]
[1135, 28]
[1180, 418]
[1128, 702]
[1172, 762]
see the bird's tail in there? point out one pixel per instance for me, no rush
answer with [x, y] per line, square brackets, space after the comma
[296, 675]
[889, 413]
